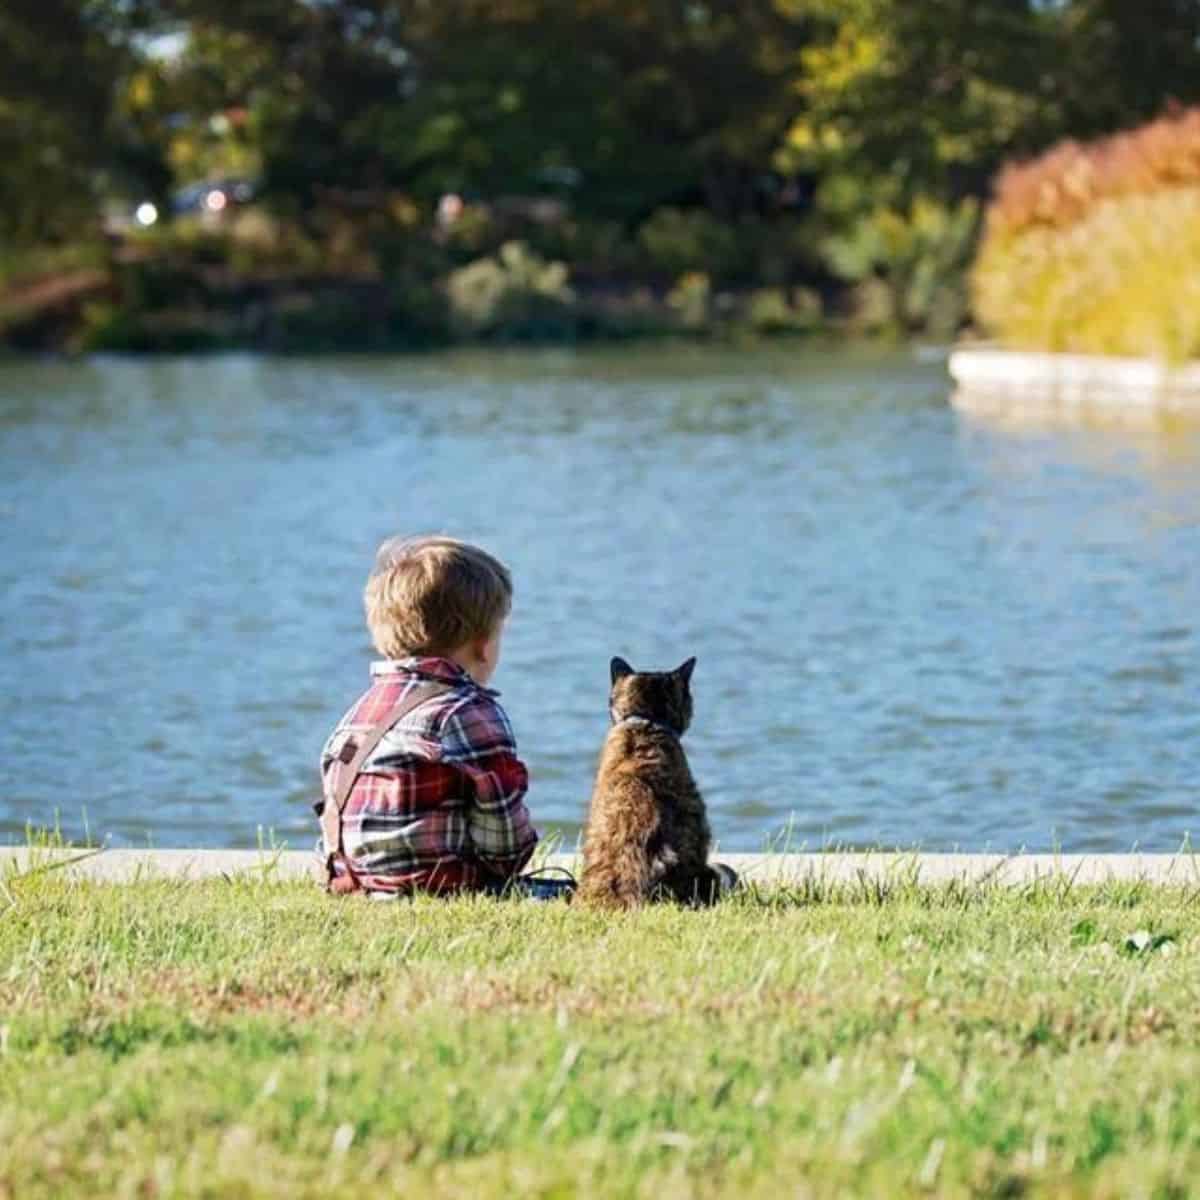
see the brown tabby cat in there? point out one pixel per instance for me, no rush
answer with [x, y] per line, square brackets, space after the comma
[647, 832]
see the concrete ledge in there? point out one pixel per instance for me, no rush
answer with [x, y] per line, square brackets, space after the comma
[130, 865]
[989, 379]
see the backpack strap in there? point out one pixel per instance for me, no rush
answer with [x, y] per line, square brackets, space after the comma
[356, 750]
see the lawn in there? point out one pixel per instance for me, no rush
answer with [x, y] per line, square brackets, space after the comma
[253, 1038]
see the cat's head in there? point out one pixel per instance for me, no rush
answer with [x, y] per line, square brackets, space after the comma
[661, 696]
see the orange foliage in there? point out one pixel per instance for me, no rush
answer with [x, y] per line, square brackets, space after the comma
[1062, 186]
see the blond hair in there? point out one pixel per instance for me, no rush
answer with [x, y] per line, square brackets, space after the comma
[430, 595]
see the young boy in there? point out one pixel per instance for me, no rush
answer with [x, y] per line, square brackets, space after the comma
[423, 789]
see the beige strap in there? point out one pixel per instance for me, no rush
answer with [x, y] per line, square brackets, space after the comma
[363, 747]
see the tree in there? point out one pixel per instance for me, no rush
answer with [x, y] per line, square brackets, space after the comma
[644, 102]
[57, 77]
[1119, 64]
[931, 97]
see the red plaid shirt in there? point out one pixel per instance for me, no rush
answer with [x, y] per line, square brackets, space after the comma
[440, 803]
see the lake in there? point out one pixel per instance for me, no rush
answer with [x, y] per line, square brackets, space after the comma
[912, 628]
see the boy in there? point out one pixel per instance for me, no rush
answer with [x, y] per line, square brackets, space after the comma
[423, 789]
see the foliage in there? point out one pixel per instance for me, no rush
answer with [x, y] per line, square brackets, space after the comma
[932, 97]
[1125, 280]
[254, 1038]
[776, 310]
[919, 255]
[925, 97]
[691, 300]
[676, 241]
[1065, 184]
[1095, 248]
[760, 143]
[515, 294]
[352, 96]
[58, 69]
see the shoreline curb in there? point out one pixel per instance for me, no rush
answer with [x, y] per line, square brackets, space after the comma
[994, 381]
[128, 866]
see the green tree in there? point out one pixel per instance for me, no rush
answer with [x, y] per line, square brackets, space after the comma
[931, 97]
[57, 78]
[1120, 63]
[921, 98]
[644, 102]
[64, 135]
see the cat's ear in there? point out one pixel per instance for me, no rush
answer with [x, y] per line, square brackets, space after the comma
[684, 671]
[619, 668]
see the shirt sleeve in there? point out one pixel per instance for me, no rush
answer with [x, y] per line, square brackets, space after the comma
[478, 740]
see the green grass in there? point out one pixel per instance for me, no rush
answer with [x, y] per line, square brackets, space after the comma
[255, 1038]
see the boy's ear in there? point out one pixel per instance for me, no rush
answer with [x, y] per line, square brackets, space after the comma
[618, 669]
[685, 670]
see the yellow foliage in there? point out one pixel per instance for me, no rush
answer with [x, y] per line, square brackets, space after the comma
[141, 92]
[853, 54]
[1124, 279]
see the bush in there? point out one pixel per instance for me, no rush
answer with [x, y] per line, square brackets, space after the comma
[1096, 249]
[110, 327]
[690, 298]
[774, 311]
[1123, 280]
[912, 263]
[515, 294]
[1062, 186]
[473, 233]
[596, 249]
[681, 241]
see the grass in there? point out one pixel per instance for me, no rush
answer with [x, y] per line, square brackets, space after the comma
[254, 1038]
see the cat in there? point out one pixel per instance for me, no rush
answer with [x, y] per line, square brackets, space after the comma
[647, 831]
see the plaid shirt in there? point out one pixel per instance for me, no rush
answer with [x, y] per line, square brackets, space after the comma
[440, 803]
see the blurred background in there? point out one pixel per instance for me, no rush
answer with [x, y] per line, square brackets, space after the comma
[300, 174]
[651, 298]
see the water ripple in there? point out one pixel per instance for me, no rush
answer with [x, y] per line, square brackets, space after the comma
[913, 628]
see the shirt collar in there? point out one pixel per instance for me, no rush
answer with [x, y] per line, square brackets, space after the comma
[429, 667]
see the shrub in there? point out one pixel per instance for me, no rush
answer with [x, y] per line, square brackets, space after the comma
[596, 249]
[1123, 280]
[1096, 248]
[773, 311]
[515, 294]
[919, 256]
[1062, 186]
[689, 299]
[623, 316]
[472, 234]
[678, 241]
[109, 327]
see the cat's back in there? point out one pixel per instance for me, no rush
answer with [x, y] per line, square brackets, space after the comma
[638, 752]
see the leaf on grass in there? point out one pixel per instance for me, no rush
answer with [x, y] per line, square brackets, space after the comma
[1142, 941]
[343, 1136]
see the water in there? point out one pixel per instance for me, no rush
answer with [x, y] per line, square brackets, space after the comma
[912, 628]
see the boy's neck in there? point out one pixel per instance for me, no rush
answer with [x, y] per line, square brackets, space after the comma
[466, 659]
[463, 663]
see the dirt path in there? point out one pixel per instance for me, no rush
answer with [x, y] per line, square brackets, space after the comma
[52, 292]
